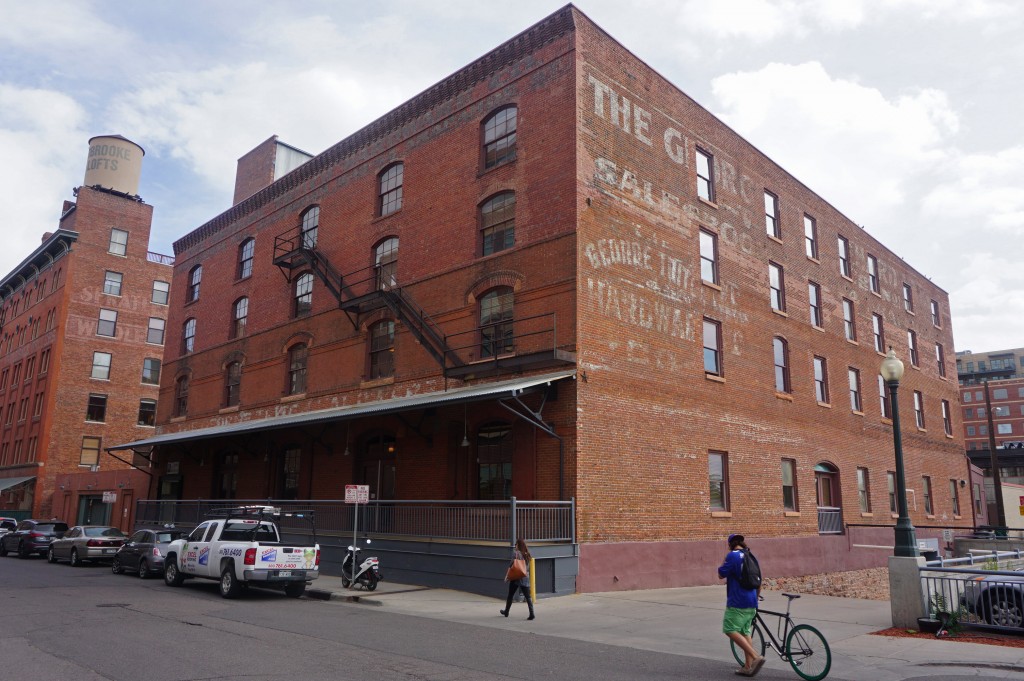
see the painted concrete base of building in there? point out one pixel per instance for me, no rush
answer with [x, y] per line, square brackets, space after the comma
[629, 566]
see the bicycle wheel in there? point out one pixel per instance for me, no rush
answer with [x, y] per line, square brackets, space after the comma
[808, 652]
[756, 639]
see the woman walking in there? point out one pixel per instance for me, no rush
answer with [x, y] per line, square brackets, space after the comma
[521, 552]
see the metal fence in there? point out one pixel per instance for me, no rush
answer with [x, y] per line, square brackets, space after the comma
[980, 596]
[830, 520]
[490, 521]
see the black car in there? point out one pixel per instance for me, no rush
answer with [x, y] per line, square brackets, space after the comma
[144, 552]
[32, 536]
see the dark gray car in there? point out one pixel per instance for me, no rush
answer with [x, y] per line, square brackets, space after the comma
[144, 552]
[32, 536]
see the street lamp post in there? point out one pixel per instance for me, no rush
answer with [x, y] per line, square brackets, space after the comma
[906, 539]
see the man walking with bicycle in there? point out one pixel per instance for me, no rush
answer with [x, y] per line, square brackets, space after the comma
[741, 606]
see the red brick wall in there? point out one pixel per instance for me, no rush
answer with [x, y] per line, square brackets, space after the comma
[640, 330]
[255, 169]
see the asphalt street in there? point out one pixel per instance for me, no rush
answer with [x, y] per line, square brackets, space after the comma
[86, 623]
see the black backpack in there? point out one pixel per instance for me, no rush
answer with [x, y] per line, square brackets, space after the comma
[750, 573]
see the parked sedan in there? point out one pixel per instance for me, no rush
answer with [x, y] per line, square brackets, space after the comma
[86, 543]
[32, 536]
[144, 552]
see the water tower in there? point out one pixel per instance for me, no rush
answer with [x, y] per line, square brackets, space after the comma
[114, 163]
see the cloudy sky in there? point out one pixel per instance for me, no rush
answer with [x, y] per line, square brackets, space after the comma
[904, 114]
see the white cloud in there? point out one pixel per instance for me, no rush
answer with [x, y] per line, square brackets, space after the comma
[793, 112]
[983, 190]
[44, 139]
[988, 308]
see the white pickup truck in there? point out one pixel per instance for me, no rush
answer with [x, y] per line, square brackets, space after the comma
[242, 547]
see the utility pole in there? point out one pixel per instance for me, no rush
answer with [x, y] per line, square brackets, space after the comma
[996, 480]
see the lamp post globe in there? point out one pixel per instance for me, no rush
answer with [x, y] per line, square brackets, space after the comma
[906, 538]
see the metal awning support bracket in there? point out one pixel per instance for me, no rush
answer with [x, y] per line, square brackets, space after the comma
[536, 419]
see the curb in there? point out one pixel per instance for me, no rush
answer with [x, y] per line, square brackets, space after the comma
[325, 595]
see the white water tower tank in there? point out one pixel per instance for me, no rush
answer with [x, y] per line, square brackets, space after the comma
[114, 163]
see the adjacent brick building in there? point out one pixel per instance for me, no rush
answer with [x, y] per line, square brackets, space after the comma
[81, 348]
[690, 336]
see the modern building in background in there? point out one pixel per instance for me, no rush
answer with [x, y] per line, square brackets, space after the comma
[975, 367]
[81, 346]
[553, 276]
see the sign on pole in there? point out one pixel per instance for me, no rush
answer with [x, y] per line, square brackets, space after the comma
[355, 494]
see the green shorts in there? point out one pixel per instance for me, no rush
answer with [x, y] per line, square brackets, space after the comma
[738, 619]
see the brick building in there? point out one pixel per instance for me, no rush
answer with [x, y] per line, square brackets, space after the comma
[998, 418]
[602, 294]
[80, 350]
[977, 367]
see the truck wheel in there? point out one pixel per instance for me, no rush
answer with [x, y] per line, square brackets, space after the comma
[371, 580]
[229, 586]
[294, 589]
[172, 575]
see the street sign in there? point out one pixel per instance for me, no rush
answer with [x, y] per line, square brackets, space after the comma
[357, 494]
[947, 535]
[109, 497]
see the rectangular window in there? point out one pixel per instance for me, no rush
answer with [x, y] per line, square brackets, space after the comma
[151, 371]
[854, 378]
[863, 490]
[947, 419]
[97, 408]
[147, 412]
[23, 409]
[883, 398]
[30, 367]
[37, 406]
[814, 298]
[810, 237]
[926, 483]
[789, 497]
[161, 292]
[873, 274]
[954, 497]
[971, 431]
[878, 330]
[780, 350]
[90, 454]
[919, 409]
[908, 298]
[1000, 394]
[890, 479]
[112, 283]
[771, 215]
[118, 242]
[777, 283]
[821, 380]
[1004, 429]
[940, 359]
[912, 347]
[3, 379]
[107, 325]
[705, 178]
[712, 347]
[155, 332]
[718, 475]
[44, 362]
[936, 317]
[977, 498]
[708, 256]
[844, 257]
[101, 365]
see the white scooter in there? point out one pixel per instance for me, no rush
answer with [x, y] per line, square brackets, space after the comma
[367, 574]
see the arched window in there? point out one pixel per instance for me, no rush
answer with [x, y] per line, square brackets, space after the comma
[246, 252]
[500, 137]
[496, 307]
[780, 348]
[239, 317]
[232, 383]
[195, 277]
[188, 336]
[181, 396]
[303, 294]
[385, 262]
[494, 454]
[390, 189]
[498, 222]
[297, 358]
[382, 349]
[310, 223]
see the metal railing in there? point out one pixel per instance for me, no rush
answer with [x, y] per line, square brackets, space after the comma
[830, 520]
[975, 598]
[160, 258]
[519, 336]
[488, 521]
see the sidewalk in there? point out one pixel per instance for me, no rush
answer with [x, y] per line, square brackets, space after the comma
[687, 621]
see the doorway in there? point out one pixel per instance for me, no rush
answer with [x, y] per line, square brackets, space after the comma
[830, 511]
[92, 510]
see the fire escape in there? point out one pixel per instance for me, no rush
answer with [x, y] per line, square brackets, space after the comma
[363, 291]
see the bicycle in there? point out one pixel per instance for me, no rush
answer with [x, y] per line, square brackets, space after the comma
[805, 648]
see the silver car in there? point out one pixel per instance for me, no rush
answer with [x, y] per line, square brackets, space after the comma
[86, 543]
